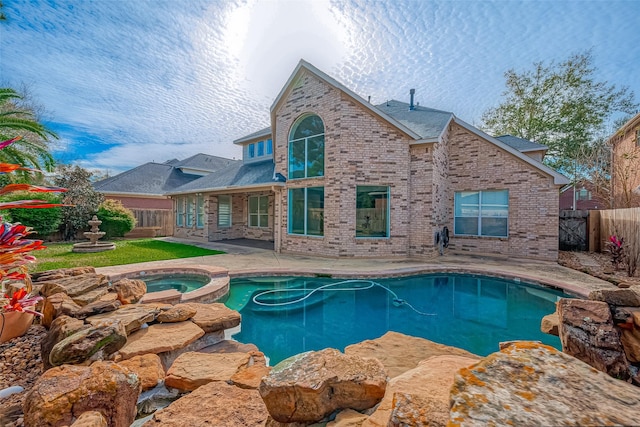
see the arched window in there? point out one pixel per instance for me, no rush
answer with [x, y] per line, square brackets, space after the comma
[306, 148]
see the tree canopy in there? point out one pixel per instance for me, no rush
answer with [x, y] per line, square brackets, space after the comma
[560, 105]
[81, 195]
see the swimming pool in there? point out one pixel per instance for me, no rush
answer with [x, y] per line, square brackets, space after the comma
[182, 282]
[467, 311]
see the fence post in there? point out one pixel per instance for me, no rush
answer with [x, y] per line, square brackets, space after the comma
[594, 231]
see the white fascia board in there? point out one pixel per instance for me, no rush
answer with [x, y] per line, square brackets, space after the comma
[141, 195]
[558, 178]
[252, 137]
[331, 81]
[229, 189]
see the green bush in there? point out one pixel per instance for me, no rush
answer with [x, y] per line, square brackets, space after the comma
[44, 221]
[116, 219]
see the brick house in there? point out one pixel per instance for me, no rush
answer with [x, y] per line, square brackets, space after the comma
[337, 176]
[625, 176]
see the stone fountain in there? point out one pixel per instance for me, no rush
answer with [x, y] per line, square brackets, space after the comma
[94, 235]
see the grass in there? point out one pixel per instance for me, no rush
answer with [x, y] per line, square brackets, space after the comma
[59, 255]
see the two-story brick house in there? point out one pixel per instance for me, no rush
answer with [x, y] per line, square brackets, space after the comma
[625, 165]
[337, 176]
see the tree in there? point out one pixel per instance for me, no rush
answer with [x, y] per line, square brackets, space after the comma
[81, 194]
[560, 105]
[18, 118]
[116, 219]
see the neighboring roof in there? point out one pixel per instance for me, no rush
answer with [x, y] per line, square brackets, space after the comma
[150, 178]
[521, 144]
[236, 175]
[426, 122]
[204, 162]
[259, 134]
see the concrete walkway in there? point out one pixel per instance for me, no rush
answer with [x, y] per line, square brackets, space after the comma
[252, 261]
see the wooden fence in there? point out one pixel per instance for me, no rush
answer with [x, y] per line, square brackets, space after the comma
[623, 223]
[152, 222]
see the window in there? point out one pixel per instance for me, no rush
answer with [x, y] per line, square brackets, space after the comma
[224, 211]
[372, 211]
[482, 213]
[306, 211]
[190, 207]
[260, 148]
[269, 146]
[252, 150]
[180, 211]
[199, 211]
[259, 211]
[306, 148]
[583, 194]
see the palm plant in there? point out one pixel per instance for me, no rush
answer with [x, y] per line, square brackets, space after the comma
[32, 148]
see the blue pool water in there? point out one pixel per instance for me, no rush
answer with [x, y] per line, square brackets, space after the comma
[179, 281]
[466, 311]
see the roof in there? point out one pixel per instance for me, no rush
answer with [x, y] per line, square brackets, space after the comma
[150, 178]
[259, 134]
[633, 121]
[426, 122]
[521, 144]
[203, 162]
[236, 175]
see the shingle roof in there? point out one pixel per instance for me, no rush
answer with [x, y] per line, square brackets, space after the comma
[426, 122]
[204, 162]
[261, 133]
[521, 144]
[149, 178]
[236, 175]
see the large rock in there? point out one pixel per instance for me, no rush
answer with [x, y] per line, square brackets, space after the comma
[630, 339]
[95, 343]
[399, 353]
[550, 324]
[251, 376]
[91, 296]
[348, 418]
[309, 386]
[90, 419]
[587, 332]
[64, 393]
[147, 367]
[177, 313]
[98, 307]
[214, 317]
[130, 291]
[58, 304]
[629, 297]
[421, 393]
[529, 384]
[160, 338]
[214, 404]
[192, 370]
[50, 275]
[61, 328]
[74, 285]
[132, 316]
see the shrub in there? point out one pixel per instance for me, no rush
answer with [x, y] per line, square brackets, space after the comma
[116, 219]
[42, 221]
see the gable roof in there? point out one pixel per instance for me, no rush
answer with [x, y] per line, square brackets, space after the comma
[153, 179]
[521, 144]
[429, 123]
[203, 162]
[237, 175]
[259, 134]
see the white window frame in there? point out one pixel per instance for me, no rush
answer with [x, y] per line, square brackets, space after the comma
[479, 216]
[190, 211]
[259, 214]
[200, 211]
[180, 211]
[224, 204]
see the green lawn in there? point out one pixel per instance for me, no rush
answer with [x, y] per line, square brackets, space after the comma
[59, 255]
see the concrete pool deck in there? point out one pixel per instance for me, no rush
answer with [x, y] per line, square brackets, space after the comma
[242, 260]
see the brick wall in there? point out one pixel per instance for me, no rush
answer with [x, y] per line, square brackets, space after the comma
[626, 165]
[476, 164]
[239, 220]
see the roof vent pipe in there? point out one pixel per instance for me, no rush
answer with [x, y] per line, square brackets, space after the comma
[411, 92]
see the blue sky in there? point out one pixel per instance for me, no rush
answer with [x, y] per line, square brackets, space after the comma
[125, 82]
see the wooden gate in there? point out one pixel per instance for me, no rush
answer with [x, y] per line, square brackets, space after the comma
[152, 223]
[573, 234]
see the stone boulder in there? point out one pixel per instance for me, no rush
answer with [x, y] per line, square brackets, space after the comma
[159, 338]
[528, 384]
[309, 386]
[348, 418]
[50, 275]
[63, 393]
[550, 324]
[90, 419]
[216, 404]
[629, 297]
[130, 291]
[192, 370]
[56, 305]
[399, 353]
[94, 343]
[147, 367]
[587, 332]
[61, 328]
[98, 307]
[214, 317]
[132, 316]
[251, 376]
[74, 285]
[176, 313]
[420, 396]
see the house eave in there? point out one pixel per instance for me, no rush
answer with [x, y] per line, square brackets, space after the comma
[253, 137]
[140, 195]
[228, 189]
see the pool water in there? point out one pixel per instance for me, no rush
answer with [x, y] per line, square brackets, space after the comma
[179, 281]
[472, 312]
